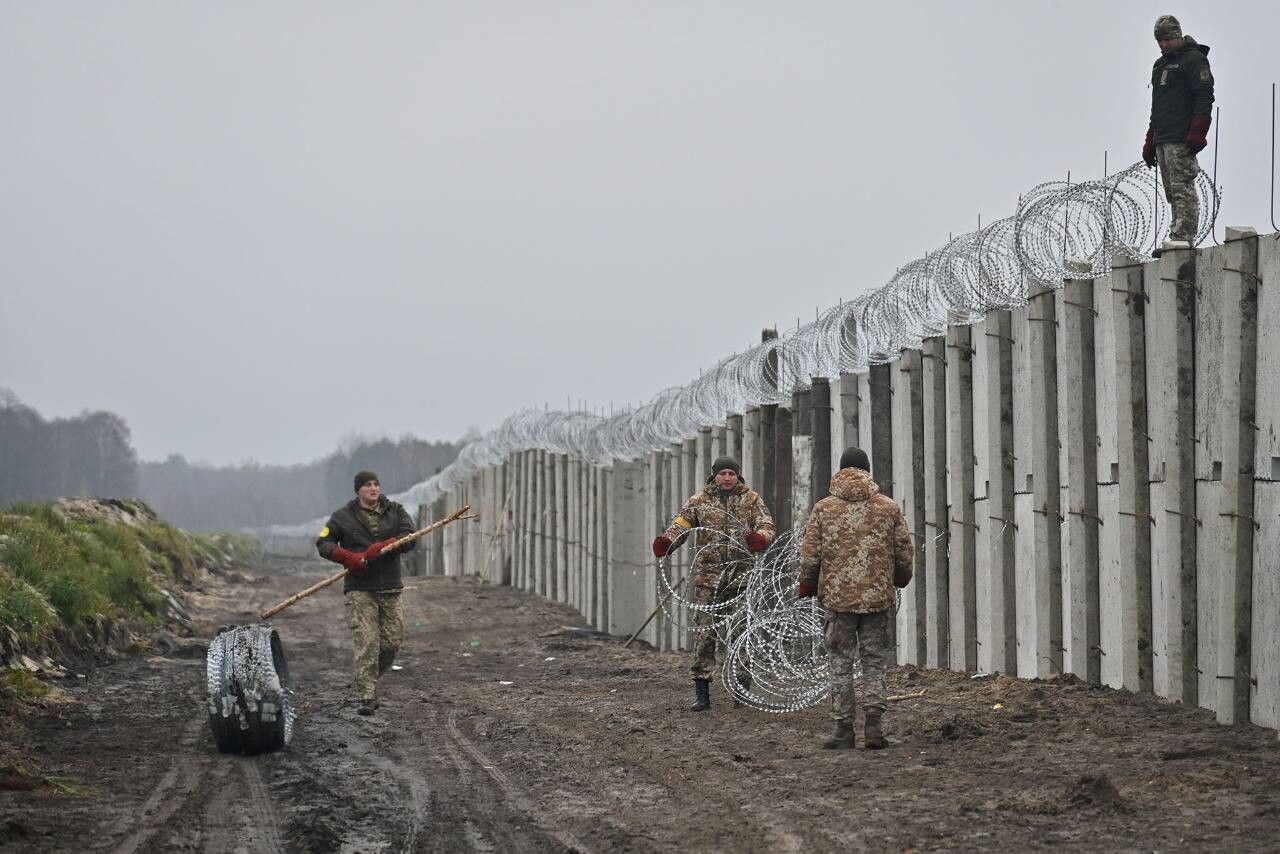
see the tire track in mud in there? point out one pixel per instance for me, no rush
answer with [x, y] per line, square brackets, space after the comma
[175, 788]
[486, 826]
[264, 824]
[513, 793]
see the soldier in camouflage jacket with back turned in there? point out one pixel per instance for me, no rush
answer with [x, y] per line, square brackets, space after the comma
[358, 536]
[731, 522]
[856, 550]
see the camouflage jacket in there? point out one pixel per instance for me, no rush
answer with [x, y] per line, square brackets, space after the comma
[855, 541]
[723, 520]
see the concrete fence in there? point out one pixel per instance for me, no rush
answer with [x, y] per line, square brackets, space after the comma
[1092, 481]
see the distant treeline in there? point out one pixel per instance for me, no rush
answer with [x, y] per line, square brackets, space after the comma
[203, 498]
[92, 455]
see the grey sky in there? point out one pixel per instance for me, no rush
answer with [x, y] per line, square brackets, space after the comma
[253, 228]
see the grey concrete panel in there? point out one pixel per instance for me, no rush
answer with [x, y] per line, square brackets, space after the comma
[752, 464]
[1264, 702]
[906, 394]
[963, 526]
[1133, 525]
[802, 486]
[1267, 440]
[1078, 443]
[936, 508]
[1170, 285]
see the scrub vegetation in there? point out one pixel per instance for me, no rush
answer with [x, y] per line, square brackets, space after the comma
[66, 569]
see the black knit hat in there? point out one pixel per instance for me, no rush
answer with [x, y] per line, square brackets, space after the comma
[855, 458]
[364, 477]
[723, 463]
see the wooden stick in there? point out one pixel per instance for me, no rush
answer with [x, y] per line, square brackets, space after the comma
[654, 612]
[896, 697]
[338, 576]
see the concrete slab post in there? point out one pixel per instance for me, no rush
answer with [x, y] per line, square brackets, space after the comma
[783, 465]
[936, 509]
[962, 524]
[654, 521]
[1078, 459]
[1037, 489]
[562, 527]
[821, 424]
[752, 462]
[1226, 368]
[704, 454]
[908, 481]
[627, 542]
[1171, 412]
[875, 420]
[999, 554]
[573, 487]
[677, 566]
[733, 439]
[847, 432]
[1264, 705]
[593, 545]
[717, 441]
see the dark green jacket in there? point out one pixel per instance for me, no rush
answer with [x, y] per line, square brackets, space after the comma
[349, 527]
[1181, 87]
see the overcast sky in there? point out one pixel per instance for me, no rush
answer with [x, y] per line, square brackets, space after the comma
[252, 229]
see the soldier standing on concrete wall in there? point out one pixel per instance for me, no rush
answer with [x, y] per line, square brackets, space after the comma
[357, 537]
[856, 550]
[1181, 110]
[728, 516]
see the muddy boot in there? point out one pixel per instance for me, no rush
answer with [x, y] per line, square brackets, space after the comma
[702, 695]
[843, 739]
[744, 685]
[872, 736]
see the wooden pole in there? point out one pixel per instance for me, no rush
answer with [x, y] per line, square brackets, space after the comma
[337, 576]
[654, 612]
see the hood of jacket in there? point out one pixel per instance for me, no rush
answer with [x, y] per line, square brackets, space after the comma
[1188, 43]
[853, 484]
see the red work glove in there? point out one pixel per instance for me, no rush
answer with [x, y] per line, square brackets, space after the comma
[1149, 149]
[756, 541]
[352, 561]
[805, 590]
[378, 548]
[1197, 133]
[661, 545]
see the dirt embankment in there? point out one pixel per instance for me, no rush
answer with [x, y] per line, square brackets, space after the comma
[503, 732]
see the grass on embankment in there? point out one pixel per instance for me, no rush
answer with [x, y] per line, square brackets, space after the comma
[58, 570]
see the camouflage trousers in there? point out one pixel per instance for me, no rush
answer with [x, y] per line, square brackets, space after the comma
[706, 642]
[850, 637]
[1178, 170]
[376, 619]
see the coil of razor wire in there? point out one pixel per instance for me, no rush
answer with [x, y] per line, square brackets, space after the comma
[1060, 230]
[775, 657]
[249, 691]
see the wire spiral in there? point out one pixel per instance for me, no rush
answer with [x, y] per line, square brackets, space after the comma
[1060, 230]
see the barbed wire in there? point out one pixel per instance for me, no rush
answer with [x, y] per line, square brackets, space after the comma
[1060, 230]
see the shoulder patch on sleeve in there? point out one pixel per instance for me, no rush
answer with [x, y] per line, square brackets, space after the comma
[683, 523]
[324, 532]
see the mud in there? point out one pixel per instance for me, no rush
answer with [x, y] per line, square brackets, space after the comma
[589, 749]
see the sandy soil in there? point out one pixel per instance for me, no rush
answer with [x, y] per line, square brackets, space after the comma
[589, 749]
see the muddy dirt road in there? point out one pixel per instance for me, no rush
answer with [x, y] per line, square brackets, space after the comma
[589, 749]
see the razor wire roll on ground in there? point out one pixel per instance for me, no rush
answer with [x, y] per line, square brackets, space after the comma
[250, 704]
